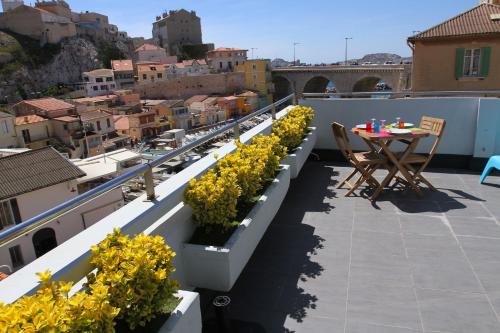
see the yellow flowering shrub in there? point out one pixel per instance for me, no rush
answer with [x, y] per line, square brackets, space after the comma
[269, 149]
[51, 310]
[292, 128]
[137, 274]
[213, 198]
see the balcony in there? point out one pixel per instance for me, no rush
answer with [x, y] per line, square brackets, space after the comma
[333, 264]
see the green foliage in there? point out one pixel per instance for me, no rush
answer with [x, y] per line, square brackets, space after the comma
[107, 52]
[51, 310]
[193, 52]
[292, 128]
[137, 273]
[234, 182]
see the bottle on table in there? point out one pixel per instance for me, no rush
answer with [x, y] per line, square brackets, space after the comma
[401, 123]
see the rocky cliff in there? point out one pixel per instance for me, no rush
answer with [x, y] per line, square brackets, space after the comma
[28, 70]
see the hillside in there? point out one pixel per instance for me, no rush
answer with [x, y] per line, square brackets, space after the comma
[29, 70]
[380, 58]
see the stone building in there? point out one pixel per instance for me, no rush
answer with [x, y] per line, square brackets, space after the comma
[38, 24]
[226, 59]
[176, 28]
[11, 4]
[461, 54]
[152, 53]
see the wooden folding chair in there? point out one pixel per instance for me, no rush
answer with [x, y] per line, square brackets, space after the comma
[364, 163]
[416, 163]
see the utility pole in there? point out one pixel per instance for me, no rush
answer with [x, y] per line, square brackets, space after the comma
[253, 48]
[346, 40]
[294, 44]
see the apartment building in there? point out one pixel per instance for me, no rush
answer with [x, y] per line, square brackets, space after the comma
[123, 71]
[31, 183]
[99, 82]
[150, 72]
[33, 132]
[149, 53]
[226, 59]
[138, 126]
[258, 77]
[194, 67]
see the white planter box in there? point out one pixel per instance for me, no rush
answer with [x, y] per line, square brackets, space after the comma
[299, 157]
[218, 268]
[186, 317]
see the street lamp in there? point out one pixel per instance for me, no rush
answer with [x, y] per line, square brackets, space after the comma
[346, 40]
[294, 44]
[253, 48]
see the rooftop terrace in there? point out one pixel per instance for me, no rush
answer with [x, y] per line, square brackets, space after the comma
[328, 263]
[333, 264]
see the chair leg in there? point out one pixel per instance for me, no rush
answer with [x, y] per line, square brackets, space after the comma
[345, 181]
[486, 171]
[366, 176]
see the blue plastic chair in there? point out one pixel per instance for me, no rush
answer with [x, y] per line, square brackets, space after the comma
[493, 162]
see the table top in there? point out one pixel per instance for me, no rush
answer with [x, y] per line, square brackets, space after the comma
[384, 134]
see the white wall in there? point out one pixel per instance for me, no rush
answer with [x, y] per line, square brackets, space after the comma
[70, 224]
[7, 133]
[461, 115]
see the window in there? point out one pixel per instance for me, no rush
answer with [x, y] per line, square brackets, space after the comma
[9, 213]
[159, 75]
[5, 127]
[108, 122]
[144, 76]
[220, 65]
[86, 78]
[98, 125]
[104, 87]
[95, 88]
[16, 256]
[26, 135]
[109, 79]
[99, 79]
[112, 86]
[472, 59]
[254, 66]
[65, 127]
[472, 62]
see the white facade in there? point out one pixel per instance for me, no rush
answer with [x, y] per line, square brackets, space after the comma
[187, 68]
[153, 53]
[36, 202]
[7, 131]
[99, 82]
[226, 59]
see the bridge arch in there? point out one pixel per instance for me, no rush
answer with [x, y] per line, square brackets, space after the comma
[316, 84]
[282, 87]
[370, 83]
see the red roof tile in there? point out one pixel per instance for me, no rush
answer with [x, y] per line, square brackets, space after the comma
[31, 119]
[476, 21]
[146, 47]
[48, 104]
[122, 65]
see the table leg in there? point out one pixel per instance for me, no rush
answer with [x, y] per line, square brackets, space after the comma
[400, 166]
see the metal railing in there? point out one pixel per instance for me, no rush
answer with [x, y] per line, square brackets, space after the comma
[146, 170]
[405, 94]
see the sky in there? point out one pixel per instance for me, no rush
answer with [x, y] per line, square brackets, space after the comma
[272, 26]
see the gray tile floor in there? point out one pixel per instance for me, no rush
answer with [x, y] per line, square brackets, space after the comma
[333, 264]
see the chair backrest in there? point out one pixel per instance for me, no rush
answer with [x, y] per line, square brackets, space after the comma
[435, 127]
[342, 140]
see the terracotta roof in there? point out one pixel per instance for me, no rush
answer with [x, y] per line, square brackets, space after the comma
[121, 122]
[34, 170]
[122, 65]
[195, 98]
[89, 115]
[48, 104]
[67, 119]
[147, 47]
[476, 21]
[31, 119]
[104, 98]
[147, 67]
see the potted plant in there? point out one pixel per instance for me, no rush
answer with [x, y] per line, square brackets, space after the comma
[295, 133]
[136, 273]
[232, 205]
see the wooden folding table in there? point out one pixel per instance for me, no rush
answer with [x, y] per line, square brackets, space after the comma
[384, 140]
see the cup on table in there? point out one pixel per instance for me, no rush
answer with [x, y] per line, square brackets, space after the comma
[369, 126]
